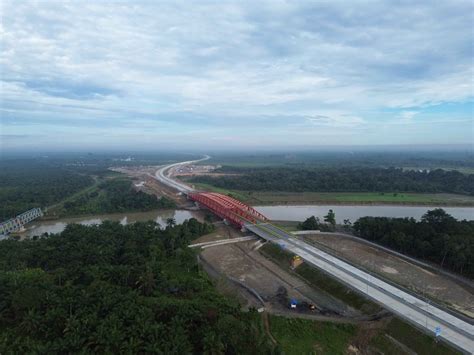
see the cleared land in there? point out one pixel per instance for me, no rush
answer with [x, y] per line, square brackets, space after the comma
[275, 286]
[423, 281]
[301, 332]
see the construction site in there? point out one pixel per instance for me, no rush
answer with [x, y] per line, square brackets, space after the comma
[273, 281]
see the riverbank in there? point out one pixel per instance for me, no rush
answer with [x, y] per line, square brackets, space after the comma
[300, 213]
[40, 226]
[265, 198]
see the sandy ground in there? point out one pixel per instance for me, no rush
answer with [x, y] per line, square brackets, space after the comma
[145, 177]
[436, 286]
[241, 262]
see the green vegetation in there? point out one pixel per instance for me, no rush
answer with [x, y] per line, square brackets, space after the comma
[47, 181]
[399, 330]
[300, 336]
[302, 198]
[330, 218]
[337, 179]
[118, 289]
[311, 223]
[109, 196]
[239, 195]
[319, 280]
[28, 184]
[314, 223]
[438, 238]
[414, 339]
[426, 160]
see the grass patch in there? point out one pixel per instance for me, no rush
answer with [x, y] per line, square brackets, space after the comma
[289, 226]
[403, 332]
[239, 195]
[320, 280]
[271, 198]
[301, 336]
[336, 289]
[410, 336]
[295, 198]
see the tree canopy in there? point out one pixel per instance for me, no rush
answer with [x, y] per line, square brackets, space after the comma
[30, 184]
[117, 289]
[337, 179]
[437, 237]
[114, 195]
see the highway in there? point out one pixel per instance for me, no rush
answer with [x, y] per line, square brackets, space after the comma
[428, 317]
[162, 175]
[454, 330]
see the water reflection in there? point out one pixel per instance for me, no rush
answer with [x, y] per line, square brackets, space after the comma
[289, 213]
[57, 226]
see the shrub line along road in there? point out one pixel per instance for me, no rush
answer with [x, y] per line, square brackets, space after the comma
[420, 313]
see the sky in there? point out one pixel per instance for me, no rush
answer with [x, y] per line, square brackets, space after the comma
[246, 74]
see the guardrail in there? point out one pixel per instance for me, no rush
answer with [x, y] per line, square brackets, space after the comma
[374, 286]
[431, 301]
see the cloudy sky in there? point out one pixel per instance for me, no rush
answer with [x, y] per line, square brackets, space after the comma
[199, 74]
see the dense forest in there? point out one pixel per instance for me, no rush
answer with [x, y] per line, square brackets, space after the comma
[437, 237]
[117, 289]
[28, 184]
[427, 159]
[47, 181]
[114, 195]
[333, 179]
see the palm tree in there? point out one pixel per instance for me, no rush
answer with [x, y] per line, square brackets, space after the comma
[170, 222]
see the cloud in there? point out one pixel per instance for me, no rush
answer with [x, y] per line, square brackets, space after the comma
[408, 115]
[178, 65]
[336, 120]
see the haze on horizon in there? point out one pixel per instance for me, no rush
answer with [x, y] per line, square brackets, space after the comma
[210, 75]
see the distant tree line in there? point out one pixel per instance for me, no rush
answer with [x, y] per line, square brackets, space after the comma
[115, 195]
[437, 237]
[352, 179]
[115, 289]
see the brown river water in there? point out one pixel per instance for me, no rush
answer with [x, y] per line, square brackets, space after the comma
[288, 213]
[58, 225]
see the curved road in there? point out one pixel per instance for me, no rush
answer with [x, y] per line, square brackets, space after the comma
[418, 312]
[162, 175]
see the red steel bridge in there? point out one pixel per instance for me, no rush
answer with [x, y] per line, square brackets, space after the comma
[228, 208]
[424, 314]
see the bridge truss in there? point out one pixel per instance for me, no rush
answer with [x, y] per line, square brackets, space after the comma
[228, 208]
[17, 223]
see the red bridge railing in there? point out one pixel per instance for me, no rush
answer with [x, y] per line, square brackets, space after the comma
[228, 208]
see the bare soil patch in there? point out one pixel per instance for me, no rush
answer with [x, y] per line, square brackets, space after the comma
[276, 286]
[436, 286]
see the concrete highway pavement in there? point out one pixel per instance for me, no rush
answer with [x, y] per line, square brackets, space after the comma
[426, 316]
[163, 176]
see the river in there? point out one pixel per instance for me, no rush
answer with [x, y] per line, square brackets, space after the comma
[57, 226]
[288, 213]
